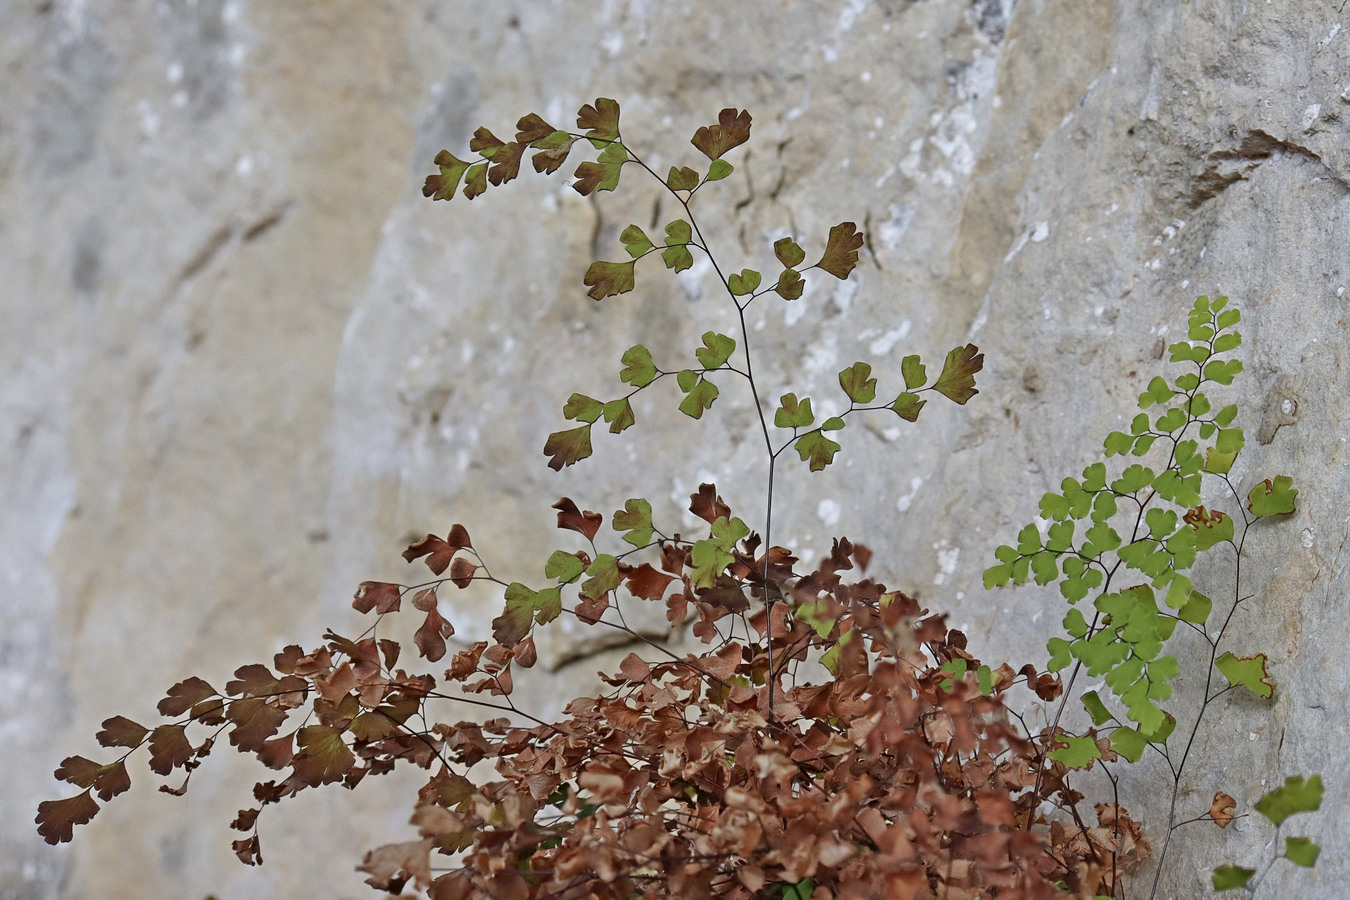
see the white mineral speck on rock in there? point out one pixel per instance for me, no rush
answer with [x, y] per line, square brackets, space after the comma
[914, 484]
[887, 341]
[828, 511]
[946, 563]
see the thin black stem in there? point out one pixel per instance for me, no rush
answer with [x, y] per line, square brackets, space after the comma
[759, 410]
[1177, 771]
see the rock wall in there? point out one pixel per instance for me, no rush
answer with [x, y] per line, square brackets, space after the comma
[244, 360]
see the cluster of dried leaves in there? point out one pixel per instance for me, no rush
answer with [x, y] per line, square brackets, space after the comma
[898, 771]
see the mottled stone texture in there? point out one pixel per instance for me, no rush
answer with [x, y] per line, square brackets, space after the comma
[243, 360]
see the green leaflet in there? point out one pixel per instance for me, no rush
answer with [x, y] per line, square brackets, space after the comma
[1129, 743]
[914, 373]
[638, 368]
[699, 393]
[564, 567]
[1226, 878]
[582, 408]
[676, 254]
[816, 449]
[716, 350]
[682, 179]
[619, 414]
[524, 609]
[719, 169]
[1273, 498]
[568, 447]
[1250, 672]
[606, 279]
[985, 676]
[858, 384]
[956, 668]
[635, 241]
[1096, 708]
[712, 555]
[1301, 851]
[636, 519]
[907, 406]
[793, 413]
[743, 283]
[788, 252]
[790, 285]
[605, 577]
[1296, 795]
[1078, 752]
[603, 174]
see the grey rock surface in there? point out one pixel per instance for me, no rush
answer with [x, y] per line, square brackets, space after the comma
[244, 361]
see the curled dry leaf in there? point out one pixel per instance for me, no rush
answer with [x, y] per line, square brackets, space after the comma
[1221, 809]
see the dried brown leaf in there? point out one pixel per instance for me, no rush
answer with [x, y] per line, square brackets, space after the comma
[377, 595]
[1221, 809]
[732, 130]
[573, 519]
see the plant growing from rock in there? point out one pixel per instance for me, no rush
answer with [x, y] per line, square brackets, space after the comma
[1129, 543]
[831, 738]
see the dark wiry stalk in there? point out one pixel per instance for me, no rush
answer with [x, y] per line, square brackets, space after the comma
[759, 411]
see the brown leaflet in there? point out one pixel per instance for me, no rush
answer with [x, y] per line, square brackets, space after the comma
[841, 250]
[337, 684]
[389, 650]
[506, 163]
[56, 819]
[673, 558]
[1221, 809]
[248, 850]
[438, 553]
[430, 637]
[278, 752]
[256, 680]
[485, 143]
[957, 381]
[531, 128]
[169, 749]
[324, 756]
[590, 609]
[634, 668]
[120, 731]
[465, 662]
[109, 780]
[732, 130]
[392, 866]
[254, 722]
[286, 661]
[600, 120]
[677, 608]
[461, 572]
[184, 695]
[723, 664]
[377, 595]
[525, 653]
[572, 519]
[647, 583]
[707, 505]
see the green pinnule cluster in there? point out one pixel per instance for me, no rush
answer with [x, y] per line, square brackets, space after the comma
[1148, 526]
[1130, 543]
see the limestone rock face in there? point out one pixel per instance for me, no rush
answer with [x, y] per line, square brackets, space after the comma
[244, 361]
